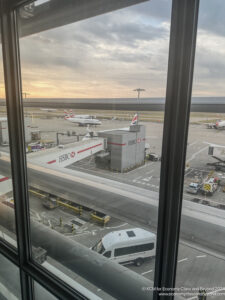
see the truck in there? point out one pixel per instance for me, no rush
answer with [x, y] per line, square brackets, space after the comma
[50, 202]
[153, 157]
[128, 245]
[194, 188]
[210, 185]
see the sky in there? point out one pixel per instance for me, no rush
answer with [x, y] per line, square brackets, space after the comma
[111, 55]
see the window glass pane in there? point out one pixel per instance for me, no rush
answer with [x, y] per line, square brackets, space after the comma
[9, 280]
[201, 264]
[107, 254]
[7, 217]
[41, 293]
[133, 249]
[94, 79]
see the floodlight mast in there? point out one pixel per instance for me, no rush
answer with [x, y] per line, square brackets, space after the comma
[138, 90]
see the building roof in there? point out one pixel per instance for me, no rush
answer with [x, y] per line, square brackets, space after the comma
[3, 119]
[127, 237]
[58, 149]
[120, 132]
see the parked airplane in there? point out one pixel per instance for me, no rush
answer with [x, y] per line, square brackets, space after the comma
[72, 115]
[91, 134]
[82, 120]
[48, 109]
[218, 125]
[134, 120]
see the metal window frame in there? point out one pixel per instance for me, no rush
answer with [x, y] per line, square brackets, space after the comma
[12, 75]
[183, 34]
[177, 110]
[16, 138]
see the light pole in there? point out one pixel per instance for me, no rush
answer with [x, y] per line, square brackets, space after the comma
[138, 98]
[25, 94]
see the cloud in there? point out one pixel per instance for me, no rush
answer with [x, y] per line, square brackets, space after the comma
[111, 54]
[114, 52]
[211, 16]
[209, 64]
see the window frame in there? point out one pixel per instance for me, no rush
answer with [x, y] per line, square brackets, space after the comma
[177, 110]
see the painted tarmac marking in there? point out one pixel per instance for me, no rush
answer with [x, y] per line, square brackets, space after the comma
[192, 144]
[124, 224]
[146, 272]
[147, 178]
[127, 263]
[196, 153]
[200, 256]
[189, 171]
[184, 259]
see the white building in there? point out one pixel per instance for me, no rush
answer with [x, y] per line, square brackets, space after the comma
[4, 135]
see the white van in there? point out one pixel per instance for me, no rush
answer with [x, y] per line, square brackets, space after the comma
[127, 245]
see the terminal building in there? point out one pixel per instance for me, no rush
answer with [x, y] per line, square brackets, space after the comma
[125, 148]
[28, 130]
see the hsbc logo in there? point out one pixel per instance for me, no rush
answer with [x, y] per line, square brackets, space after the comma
[72, 154]
[66, 156]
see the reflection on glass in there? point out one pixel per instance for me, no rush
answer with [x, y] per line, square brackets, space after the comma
[9, 280]
[94, 91]
[7, 218]
[201, 264]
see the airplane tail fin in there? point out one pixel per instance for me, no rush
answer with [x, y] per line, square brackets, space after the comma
[134, 120]
[66, 114]
[71, 114]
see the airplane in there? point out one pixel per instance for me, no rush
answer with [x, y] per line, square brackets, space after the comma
[82, 121]
[48, 109]
[134, 120]
[72, 115]
[218, 125]
[91, 134]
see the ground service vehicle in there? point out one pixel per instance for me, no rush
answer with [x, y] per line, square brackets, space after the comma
[193, 188]
[153, 157]
[50, 203]
[210, 186]
[129, 245]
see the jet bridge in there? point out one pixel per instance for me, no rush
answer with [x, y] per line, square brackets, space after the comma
[65, 155]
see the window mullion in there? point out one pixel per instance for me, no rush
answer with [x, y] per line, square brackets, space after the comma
[178, 99]
[16, 137]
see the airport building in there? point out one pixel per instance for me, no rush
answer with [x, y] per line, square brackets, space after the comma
[125, 148]
[4, 137]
